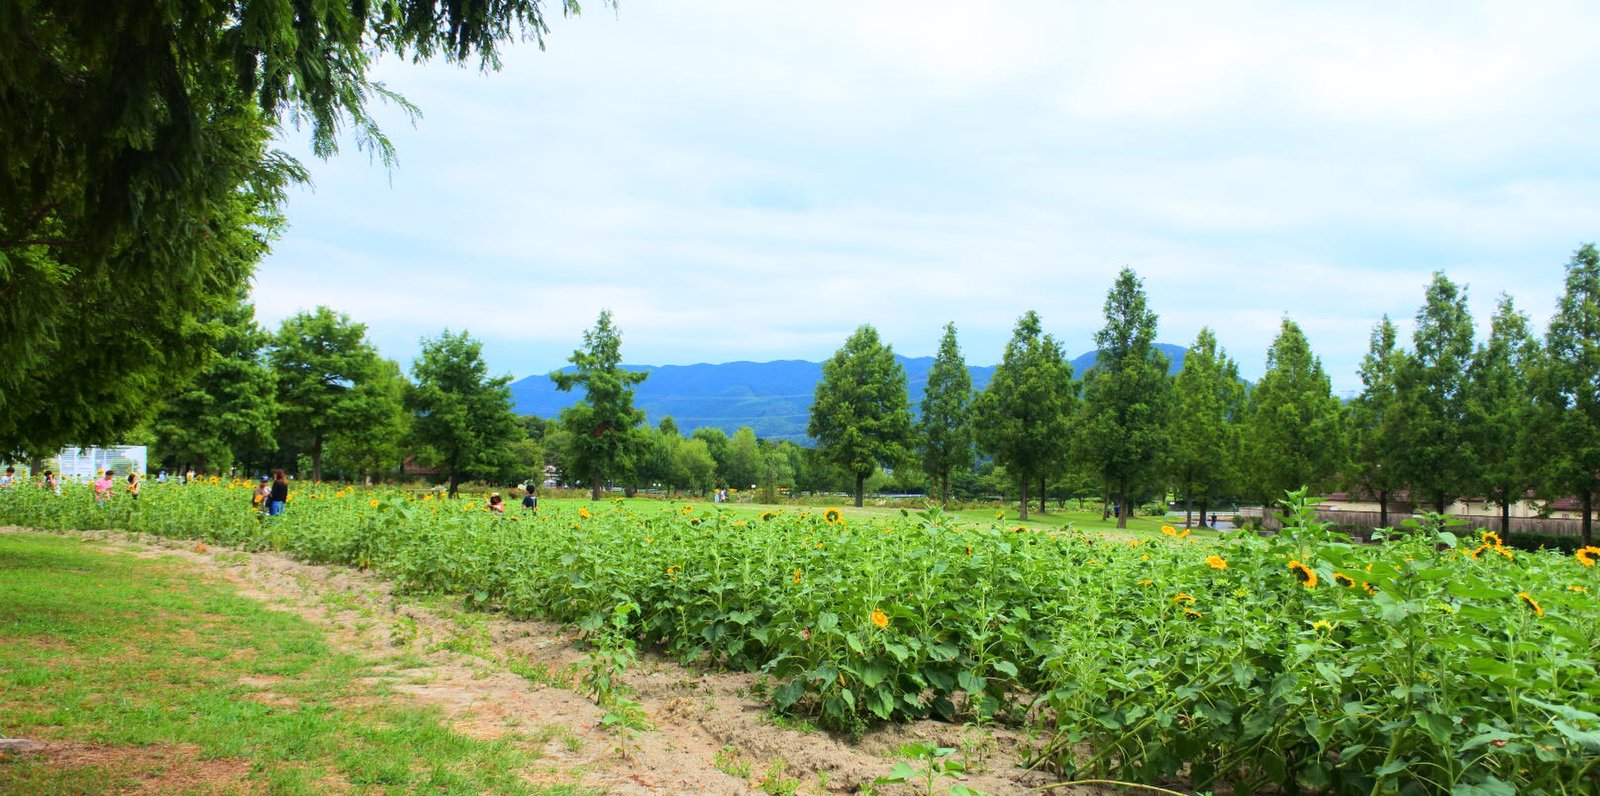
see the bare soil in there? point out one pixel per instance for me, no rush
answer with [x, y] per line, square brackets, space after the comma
[495, 677]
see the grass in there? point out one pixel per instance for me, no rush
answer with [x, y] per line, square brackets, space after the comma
[167, 675]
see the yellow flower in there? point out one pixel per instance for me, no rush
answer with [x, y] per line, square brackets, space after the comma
[1192, 612]
[833, 516]
[1216, 562]
[1145, 557]
[687, 510]
[372, 503]
[1532, 603]
[1505, 551]
[673, 571]
[1303, 574]
[999, 515]
[1369, 588]
[740, 524]
[1587, 555]
[1183, 598]
[583, 511]
[1578, 589]
[1146, 582]
[1491, 539]
[767, 515]
[1322, 624]
[1169, 530]
[1183, 534]
[1344, 580]
[880, 618]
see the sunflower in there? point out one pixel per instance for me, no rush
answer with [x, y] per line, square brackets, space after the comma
[583, 511]
[1183, 598]
[1216, 562]
[687, 510]
[1578, 589]
[999, 515]
[767, 515]
[1146, 582]
[1587, 555]
[1532, 603]
[1192, 613]
[833, 516]
[1491, 539]
[1344, 580]
[1169, 530]
[797, 576]
[673, 571]
[1303, 574]
[372, 503]
[879, 618]
[1183, 534]
[1322, 624]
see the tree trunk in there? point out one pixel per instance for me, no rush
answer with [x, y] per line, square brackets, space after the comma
[1505, 514]
[944, 490]
[1043, 498]
[1439, 504]
[861, 486]
[1203, 506]
[1383, 508]
[455, 482]
[1122, 516]
[1588, 514]
[316, 459]
[1188, 508]
[594, 486]
[1024, 482]
[1105, 505]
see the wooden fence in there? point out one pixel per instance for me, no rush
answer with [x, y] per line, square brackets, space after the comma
[1367, 520]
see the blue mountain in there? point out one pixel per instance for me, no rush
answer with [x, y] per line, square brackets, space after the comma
[772, 398]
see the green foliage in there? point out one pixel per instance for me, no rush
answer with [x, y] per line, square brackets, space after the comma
[1502, 409]
[860, 417]
[603, 434]
[228, 408]
[1126, 395]
[1292, 432]
[1208, 407]
[1435, 455]
[944, 432]
[463, 417]
[1023, 418]
[1374, 422]
[321, 360]
[1569, 390]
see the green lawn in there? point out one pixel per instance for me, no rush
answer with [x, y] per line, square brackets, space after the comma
[163, 675]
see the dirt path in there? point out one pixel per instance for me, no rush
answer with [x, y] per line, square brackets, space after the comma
[494, 677]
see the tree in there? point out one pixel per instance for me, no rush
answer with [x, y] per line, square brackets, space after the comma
[228, 407]
[463, 416]
[1125, 396]
[1436, 448]
[743, 467]
[603, 424]
[717, 443]
[1291, 435]
[372, 440]
[1375, 421]
[1501, 409]
[1203, 452]
[693, 466]
[860, 417]
[139, 187]
[1569, 390]
[319, 359]
[944, 433]
[1023, 417]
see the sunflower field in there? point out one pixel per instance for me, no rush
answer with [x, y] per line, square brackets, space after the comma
[1430, 663]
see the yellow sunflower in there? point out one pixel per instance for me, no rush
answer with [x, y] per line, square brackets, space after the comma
[1344, 580]
[1532, 603]
[1578, 589]
[767, 515]
[1491, 539]
[797, 576]
[1216, 562]
[1169, 530]
[372, 503]
[583, 511]
[1322, 624]
[879, 618]
[1183, 598]
[833, 516]
[1303, 574]
[1587, 555]
[673, 571]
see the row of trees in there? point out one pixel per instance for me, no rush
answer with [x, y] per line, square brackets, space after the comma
[1447, 419]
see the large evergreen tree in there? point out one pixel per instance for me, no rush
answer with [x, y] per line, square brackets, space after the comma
[1023, 416]
[1203, 446]
[1292, 437]
[137, 182]
[1126, 396]
[319, 360]
[944, 432]
[372, 441]
[1375, 421]
[601, 427]
[1569, 389]
[860, 417]
[1502, 409]
[463, 417]
[1436, 448]
[228, 407]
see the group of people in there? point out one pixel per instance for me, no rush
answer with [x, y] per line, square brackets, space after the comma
[51, 480]
[271, 494]
[497, 504]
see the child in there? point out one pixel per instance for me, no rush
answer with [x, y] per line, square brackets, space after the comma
[496, 505]
[104, 487]
[531, 500]
[133, 485]
[259, 497]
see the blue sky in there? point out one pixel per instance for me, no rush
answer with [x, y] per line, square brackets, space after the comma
[741, 180]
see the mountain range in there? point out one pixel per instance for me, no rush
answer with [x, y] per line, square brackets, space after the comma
[772, 398]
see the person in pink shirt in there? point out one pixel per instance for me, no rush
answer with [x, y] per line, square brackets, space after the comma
[104, 486]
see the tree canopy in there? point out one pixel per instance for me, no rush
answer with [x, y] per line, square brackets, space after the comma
[602, 438]
[1292, 433]
[1208, 404]
[463, 417]
[944, 432]
[1023, 418]
[861, 417]
[1569, 389]
[319, 360]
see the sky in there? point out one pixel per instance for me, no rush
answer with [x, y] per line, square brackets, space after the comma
[753, 181]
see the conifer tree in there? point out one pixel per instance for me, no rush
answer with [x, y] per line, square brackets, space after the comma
[1208, 401]
[1291, 437]
[944, 432]
[1502, 409]
[1569, 391]
[319, 359]
[1374, 422]
[1023, 417]
[228, 407]
[1126, 396]
[601, 427]
[463, 416]
[1436, 446]
[861, 417]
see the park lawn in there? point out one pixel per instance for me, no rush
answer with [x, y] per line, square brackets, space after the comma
[148, 672]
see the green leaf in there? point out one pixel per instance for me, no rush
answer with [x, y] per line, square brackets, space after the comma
[1006, 667]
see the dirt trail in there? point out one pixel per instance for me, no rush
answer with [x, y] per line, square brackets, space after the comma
[495, 677]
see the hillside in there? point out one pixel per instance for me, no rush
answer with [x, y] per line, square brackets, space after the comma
[773, 398]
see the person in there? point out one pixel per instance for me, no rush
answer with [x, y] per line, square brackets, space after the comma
[189, 479]
[133, 485]
[9, 479]
[263, 491]
[531, 500]
[161, 477]
[497, 506]
[279, 494]
[104, 487]
[51, 482]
